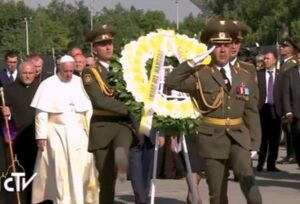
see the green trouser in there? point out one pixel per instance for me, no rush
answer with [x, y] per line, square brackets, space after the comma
[217, 176]
[105, 163]
[289, 140]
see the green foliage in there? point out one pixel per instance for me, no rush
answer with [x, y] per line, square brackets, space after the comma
[61, 24]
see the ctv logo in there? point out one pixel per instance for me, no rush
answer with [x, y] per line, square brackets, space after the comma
[15, 181]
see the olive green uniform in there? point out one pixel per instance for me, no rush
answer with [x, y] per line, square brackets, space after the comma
[110, 128]
[229, 130]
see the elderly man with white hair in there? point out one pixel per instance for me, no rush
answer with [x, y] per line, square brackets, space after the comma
[64, 167]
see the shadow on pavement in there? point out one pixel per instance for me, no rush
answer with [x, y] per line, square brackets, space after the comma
[282, 179]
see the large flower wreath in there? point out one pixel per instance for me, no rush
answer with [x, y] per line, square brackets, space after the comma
[131, 79]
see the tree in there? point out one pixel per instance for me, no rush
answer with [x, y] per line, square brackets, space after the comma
[12, 33]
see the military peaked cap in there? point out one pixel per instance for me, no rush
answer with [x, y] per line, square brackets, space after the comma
[101, 32]
[289, 40]
[243, 29]
[219, 31]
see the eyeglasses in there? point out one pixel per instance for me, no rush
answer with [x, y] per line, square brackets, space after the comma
[12, 62]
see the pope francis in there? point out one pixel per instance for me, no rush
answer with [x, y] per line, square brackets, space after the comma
[65, 170]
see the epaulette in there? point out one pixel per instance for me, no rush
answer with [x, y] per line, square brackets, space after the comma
[238, 68]
[205, 66]
[246, 63]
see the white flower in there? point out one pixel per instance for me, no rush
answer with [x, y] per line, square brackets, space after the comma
[135, 57]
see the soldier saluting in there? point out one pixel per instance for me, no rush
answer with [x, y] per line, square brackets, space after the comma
[226, 96]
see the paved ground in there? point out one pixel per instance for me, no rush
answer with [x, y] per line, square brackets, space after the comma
[276, 188]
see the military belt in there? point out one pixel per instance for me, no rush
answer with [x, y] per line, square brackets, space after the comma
[221, 121]
[108, 116]
[97, 112]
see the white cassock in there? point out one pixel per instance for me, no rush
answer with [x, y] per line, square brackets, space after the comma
[65, 169]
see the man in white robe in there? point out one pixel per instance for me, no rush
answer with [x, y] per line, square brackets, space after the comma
[64, 167]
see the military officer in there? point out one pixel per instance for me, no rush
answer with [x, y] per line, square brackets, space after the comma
[236, 46]
[230, 132]
[288, 50]
[111, 133]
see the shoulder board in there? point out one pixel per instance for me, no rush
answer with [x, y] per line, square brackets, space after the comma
[246, 63]
[239, 68]
[205, 66]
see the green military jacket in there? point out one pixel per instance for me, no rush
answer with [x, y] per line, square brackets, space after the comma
[100, 131]
[212, 141]
[288, 64]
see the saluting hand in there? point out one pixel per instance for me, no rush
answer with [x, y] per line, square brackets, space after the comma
[41, 143]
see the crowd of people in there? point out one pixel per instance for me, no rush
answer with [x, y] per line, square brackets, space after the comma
[72, 130]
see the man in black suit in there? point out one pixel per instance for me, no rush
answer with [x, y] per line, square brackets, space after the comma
[291, 105]
[268, 99]
[9, 74]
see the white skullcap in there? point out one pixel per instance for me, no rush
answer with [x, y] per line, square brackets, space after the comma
[66, 58]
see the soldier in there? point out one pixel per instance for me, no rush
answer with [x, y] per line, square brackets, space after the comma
[226, 96]
[111, 132]
[288, 49]
[235, 49]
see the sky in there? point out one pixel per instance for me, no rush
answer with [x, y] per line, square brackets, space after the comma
[169, 7]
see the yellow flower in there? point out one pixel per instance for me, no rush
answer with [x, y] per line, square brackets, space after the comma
[135, 57]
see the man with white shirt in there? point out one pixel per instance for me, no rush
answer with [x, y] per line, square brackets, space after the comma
[112, 130]
[64, 167]
[9, 74]
[230, 129]
[269, 117]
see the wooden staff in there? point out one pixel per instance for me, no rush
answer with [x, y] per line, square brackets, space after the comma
[10, 145]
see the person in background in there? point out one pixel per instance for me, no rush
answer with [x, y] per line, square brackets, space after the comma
[76, 51]
[141, 166]
[288, 50]
[259, 62]
[291, 108]
[269, 117]
[18, 96]
[80, 63]
[235, 49]
[90, 62]
[40, 73]
[10, 73]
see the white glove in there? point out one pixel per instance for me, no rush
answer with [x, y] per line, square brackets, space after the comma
[253, 154]
[198, 59]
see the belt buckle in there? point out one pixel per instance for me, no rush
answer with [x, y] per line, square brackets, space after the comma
[228, 121]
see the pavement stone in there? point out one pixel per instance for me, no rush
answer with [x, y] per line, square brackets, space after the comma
[275, 187]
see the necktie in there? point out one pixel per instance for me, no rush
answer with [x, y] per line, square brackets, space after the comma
[270, 88]
[226, 80]
[11, 77]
